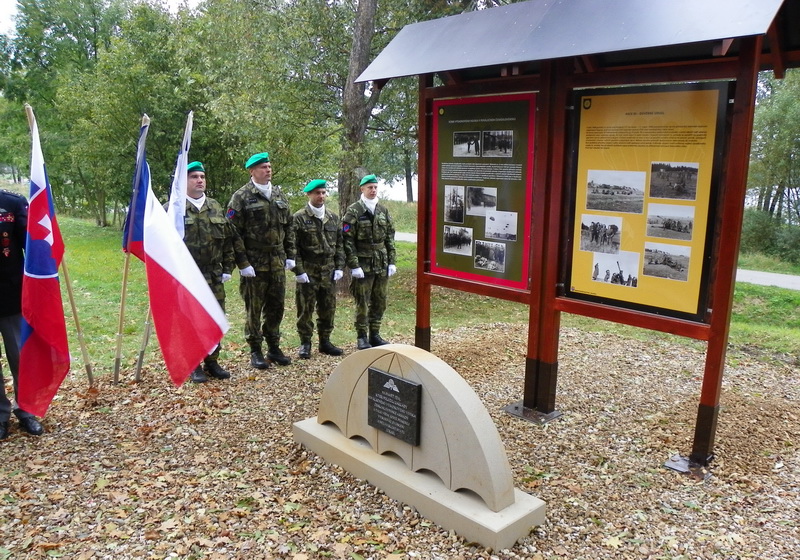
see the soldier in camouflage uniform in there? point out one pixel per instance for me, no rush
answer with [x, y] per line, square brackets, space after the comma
[215, 248]
[320, 262]
[368, 233]
[260, 213]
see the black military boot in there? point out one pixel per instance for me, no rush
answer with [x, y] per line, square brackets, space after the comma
[326, 347]
[305, 350]
[198, 375]
[213, 369]
[362, 343]
[376, 340]
[276, 355]
[257, 358]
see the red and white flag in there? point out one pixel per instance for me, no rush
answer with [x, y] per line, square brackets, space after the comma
[189, 321]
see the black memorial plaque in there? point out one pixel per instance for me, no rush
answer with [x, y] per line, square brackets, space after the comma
[394, 405]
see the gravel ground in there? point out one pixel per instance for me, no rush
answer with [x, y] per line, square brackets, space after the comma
[211, 471]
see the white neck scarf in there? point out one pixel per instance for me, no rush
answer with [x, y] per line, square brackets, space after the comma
[318, 212]
[198, 202]
[266, 190]
[370, 204]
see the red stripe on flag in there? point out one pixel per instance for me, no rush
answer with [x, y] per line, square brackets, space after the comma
[44, 354]
[185, 330]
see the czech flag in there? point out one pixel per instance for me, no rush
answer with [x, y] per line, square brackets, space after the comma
[133, 230]
[44, 353]
[189, 321]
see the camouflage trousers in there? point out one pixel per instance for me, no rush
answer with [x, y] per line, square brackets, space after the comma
[369, 294]
[219, 292]
[263, 298]
[320, 292]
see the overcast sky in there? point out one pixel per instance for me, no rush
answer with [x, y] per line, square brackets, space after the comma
[9, 7]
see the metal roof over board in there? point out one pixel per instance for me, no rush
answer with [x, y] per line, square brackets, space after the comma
[638, 31]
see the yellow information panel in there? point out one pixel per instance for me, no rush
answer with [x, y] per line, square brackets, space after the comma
[644, 189]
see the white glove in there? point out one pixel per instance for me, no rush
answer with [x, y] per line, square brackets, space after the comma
[289, 264]
[248, 272]
[337, 275]
[302, 278]
[357, 272]
[225, 277]
[392, 270]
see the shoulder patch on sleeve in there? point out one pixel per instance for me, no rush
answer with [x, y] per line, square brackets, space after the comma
[230, 213]
[345, 227]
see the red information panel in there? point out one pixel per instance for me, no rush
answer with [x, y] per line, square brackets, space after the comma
[482, 173]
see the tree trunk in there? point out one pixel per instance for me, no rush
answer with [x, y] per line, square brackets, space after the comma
[409, 176]
[356, 108]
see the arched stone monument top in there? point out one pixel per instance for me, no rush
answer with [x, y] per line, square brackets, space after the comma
[458, 440]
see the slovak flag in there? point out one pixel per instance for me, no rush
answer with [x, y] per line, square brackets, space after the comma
[44, 353]
[188, 319]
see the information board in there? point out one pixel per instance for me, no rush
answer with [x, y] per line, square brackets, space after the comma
[644, 189]
[483, 163]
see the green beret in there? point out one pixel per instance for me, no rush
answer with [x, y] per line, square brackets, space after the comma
[315, 184]
[368, 179]
[255, 159]
[196, 166]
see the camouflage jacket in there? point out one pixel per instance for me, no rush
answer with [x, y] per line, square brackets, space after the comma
[265, 226]
[318, 242]
[212, 241]
[368, 239]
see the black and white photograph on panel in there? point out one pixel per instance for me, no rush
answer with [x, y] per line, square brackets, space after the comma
[601, 234]
[498, 143]
[490, 255]
[666, 261]
[673, 180]
[454, 204]
[621, 269]
[466, 144]
[671, 221]
[501, 225]
[615, 191]
[481, 199]
[458, 240]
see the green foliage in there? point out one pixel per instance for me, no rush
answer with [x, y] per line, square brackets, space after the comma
[404, 215]
[763, 233]
[759, 232]
[774, 177]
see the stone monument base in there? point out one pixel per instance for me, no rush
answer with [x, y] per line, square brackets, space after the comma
[462, 512]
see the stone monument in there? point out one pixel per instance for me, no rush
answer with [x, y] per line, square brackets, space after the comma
[402, 419]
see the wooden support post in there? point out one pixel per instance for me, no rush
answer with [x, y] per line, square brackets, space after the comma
[730, 225]
[422, 334]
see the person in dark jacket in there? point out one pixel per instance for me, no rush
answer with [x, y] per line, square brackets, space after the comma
[13, 232]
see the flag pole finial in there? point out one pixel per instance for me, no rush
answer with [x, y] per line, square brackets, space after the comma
[29, 114]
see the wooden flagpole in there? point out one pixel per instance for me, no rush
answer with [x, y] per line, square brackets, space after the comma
[120, 325]
[145, 339]
[131, 215]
